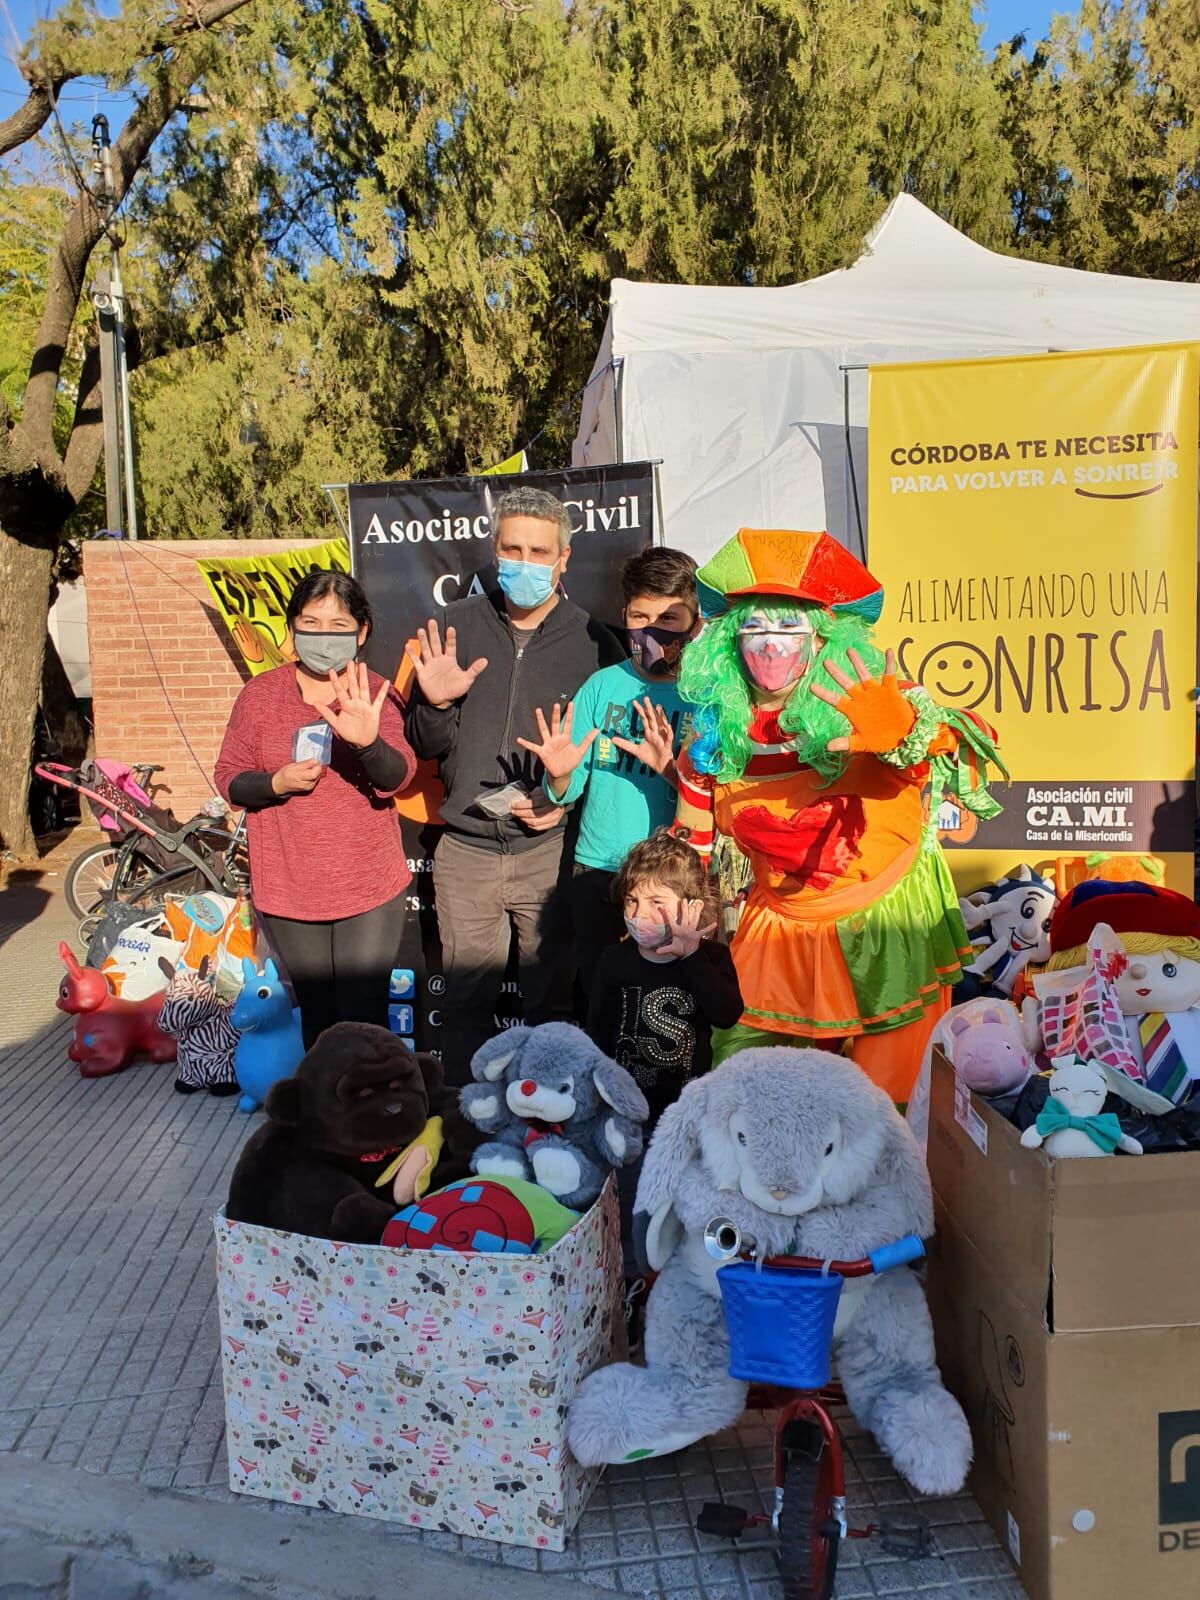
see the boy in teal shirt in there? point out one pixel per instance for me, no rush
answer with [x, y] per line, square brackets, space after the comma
[615, 743]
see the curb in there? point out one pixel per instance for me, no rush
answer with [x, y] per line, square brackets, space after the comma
[291, 1557]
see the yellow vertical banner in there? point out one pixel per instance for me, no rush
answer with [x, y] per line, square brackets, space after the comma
[1033, 523]
[252, 594]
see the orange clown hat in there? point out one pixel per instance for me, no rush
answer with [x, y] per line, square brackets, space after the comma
[810, 567]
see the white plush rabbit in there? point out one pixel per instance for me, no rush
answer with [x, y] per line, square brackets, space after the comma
[801, 1151]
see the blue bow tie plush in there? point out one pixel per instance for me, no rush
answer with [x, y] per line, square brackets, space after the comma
[1103, 1130]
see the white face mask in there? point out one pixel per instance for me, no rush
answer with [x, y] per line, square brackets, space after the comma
[648, 932]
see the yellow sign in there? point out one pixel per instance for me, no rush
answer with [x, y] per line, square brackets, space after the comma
[517, 463]
[252, 593]
[1033, 523]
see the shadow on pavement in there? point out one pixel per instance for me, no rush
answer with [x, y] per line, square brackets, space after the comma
[23, 898]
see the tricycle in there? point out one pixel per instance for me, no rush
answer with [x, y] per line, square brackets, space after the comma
[780, 1312]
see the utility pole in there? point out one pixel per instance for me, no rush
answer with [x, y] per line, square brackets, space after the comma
[109, 301]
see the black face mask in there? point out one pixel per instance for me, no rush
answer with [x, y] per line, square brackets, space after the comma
[657, 650]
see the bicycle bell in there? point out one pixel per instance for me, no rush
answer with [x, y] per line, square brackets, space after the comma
[724, 1240]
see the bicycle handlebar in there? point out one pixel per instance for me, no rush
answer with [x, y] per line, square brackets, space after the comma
[898, 1254]
[725, 1242]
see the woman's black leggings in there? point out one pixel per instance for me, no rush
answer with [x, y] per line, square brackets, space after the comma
[340, 970]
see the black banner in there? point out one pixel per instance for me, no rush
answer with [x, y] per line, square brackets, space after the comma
[416, 547]
[1042, 819]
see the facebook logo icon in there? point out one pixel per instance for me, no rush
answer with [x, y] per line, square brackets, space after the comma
[400, 1019]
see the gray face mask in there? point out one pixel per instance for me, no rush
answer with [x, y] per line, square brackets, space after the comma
[323, 653]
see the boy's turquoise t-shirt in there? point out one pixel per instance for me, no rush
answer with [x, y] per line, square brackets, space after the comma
[623, 801]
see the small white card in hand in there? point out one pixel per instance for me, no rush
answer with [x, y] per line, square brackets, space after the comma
[314, 742]
[499, 802]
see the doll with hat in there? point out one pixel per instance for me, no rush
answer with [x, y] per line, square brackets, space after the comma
[825, 769]
[1135, 949]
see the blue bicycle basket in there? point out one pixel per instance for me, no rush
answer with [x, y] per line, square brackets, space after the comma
[780, 1323]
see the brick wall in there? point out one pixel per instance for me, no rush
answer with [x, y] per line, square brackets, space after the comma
[165, 672]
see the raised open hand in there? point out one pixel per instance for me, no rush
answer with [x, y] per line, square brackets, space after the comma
[656, 748]
[880, 717]
[441, 678]
[685, 930]
[356, 721]
[558, 752]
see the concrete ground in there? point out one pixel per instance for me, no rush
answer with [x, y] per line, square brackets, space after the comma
[110, 1393]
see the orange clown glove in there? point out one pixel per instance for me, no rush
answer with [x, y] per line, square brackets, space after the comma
[880, 717]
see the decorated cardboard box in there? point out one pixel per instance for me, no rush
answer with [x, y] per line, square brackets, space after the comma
[421, 1387]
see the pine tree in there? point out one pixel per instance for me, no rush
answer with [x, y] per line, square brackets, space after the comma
[1103, 118]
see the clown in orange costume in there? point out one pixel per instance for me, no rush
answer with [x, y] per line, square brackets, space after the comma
[825, 770]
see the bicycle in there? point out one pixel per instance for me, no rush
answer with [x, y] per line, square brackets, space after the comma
[151, 853]
[780, 1312]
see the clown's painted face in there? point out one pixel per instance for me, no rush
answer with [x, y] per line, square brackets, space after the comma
[1163, 981]
[777, 645]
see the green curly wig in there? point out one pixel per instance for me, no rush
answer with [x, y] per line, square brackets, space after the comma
[711, 677]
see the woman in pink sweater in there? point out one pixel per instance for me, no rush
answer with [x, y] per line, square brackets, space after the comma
[315, 752]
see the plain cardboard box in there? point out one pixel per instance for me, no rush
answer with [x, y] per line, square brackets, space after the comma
[1066, 1303]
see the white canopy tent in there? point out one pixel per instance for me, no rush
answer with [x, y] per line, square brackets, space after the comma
[744, 393]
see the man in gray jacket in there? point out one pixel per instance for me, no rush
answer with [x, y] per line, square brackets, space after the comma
[483, 671]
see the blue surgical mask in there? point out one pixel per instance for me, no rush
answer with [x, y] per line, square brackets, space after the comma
[526, 583]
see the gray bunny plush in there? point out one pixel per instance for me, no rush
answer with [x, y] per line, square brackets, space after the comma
[804, 1153]
[559, 1112]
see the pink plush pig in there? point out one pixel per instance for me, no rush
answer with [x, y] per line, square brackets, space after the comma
[987, 1047]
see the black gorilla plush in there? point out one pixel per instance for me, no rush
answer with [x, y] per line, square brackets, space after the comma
[356, 1100]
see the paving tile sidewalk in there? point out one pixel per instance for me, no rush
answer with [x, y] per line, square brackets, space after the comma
[109, 1354]
[39, 1569]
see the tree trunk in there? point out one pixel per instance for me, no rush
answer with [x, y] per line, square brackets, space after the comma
[25, 585]
[60, 708]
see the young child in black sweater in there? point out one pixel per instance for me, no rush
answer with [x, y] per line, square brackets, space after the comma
[658, 994]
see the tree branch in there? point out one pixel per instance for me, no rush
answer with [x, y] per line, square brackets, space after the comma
[84, 226]
[87, 428]
[29, 119]
[81, 233]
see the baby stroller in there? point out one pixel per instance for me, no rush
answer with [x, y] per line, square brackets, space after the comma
[149, 853]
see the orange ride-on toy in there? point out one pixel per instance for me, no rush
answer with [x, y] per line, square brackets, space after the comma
[780, 1313]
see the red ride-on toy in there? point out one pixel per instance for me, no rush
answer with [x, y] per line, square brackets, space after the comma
[780, 1313]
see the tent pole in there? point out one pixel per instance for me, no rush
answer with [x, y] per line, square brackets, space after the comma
[862, 538]
[660, 520]
[618, 368]
[331, 490]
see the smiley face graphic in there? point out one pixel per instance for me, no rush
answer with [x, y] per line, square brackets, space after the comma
[957, 673]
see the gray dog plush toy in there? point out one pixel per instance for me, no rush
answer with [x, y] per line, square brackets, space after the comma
[801, 1151]
[559, 1112]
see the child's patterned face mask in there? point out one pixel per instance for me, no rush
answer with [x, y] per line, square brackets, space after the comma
[657, 650]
